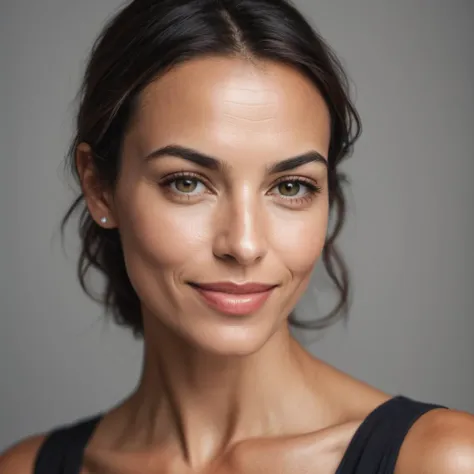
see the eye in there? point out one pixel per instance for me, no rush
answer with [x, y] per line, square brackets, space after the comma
[289, 188]
[186, 185]
[295, 189]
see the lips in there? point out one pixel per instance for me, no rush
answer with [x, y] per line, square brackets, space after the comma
[234, 288]
[232, 298]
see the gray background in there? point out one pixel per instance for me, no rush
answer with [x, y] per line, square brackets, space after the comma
[408, 239]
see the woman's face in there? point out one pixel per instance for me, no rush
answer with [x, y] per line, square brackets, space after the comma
[235, 211]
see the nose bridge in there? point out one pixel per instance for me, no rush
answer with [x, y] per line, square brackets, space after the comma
[242, 228]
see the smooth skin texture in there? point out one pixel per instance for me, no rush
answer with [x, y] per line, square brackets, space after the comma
[219, 393]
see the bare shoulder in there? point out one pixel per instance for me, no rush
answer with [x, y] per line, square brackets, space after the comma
[440, 442]
[20, 458]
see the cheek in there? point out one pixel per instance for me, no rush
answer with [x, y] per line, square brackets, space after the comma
[160, 234]
[299, 239]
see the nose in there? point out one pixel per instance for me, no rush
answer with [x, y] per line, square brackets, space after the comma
[240, 231]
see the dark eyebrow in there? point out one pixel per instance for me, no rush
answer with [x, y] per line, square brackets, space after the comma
[188, 154]
[296, 161]
[212, 163]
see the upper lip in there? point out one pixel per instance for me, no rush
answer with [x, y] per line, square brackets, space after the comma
[235, 288]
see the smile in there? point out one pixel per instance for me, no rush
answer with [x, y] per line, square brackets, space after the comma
[234, 299]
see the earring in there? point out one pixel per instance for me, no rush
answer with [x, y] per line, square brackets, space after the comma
[103, 220]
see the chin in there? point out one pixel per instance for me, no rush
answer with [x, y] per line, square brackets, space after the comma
[233, 339]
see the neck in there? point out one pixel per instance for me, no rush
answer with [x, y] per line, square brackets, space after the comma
[200, 404]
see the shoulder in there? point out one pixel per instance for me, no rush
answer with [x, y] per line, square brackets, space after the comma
[20, 458]
[440, 442]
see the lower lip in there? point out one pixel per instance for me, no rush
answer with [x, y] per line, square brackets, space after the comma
[234, 304]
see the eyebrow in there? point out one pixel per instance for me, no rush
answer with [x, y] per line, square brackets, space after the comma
[213, 163]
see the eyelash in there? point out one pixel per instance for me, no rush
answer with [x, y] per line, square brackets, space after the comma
[313, 189]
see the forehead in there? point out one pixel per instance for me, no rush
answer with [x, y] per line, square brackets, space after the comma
[213, 102]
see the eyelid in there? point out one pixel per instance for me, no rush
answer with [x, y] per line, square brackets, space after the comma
[301, 179]
[185, 174]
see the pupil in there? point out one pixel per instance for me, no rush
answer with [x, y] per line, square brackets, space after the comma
[289, 189]
[186, 185]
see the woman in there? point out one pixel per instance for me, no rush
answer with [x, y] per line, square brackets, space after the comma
[208, 141]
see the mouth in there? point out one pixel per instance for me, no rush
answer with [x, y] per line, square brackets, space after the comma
[234, 299]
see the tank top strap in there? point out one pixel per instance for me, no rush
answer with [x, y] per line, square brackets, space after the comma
[373, 449]
[376, 444]
[63, 449]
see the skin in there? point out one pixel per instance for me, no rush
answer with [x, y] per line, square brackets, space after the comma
[218, 393]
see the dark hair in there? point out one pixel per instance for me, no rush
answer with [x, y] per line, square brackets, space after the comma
[141, 43]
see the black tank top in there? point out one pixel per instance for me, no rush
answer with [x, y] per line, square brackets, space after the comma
[373, 449]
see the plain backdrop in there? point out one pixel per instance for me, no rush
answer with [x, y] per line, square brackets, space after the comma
[408, 239]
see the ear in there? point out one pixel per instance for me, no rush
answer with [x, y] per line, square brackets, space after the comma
[99, 200]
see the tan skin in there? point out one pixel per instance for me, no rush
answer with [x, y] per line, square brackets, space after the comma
[232, 394]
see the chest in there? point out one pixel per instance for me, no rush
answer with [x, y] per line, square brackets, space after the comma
[267, 460]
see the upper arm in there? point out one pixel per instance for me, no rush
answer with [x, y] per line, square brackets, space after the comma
[441, 442]
[20, 458]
